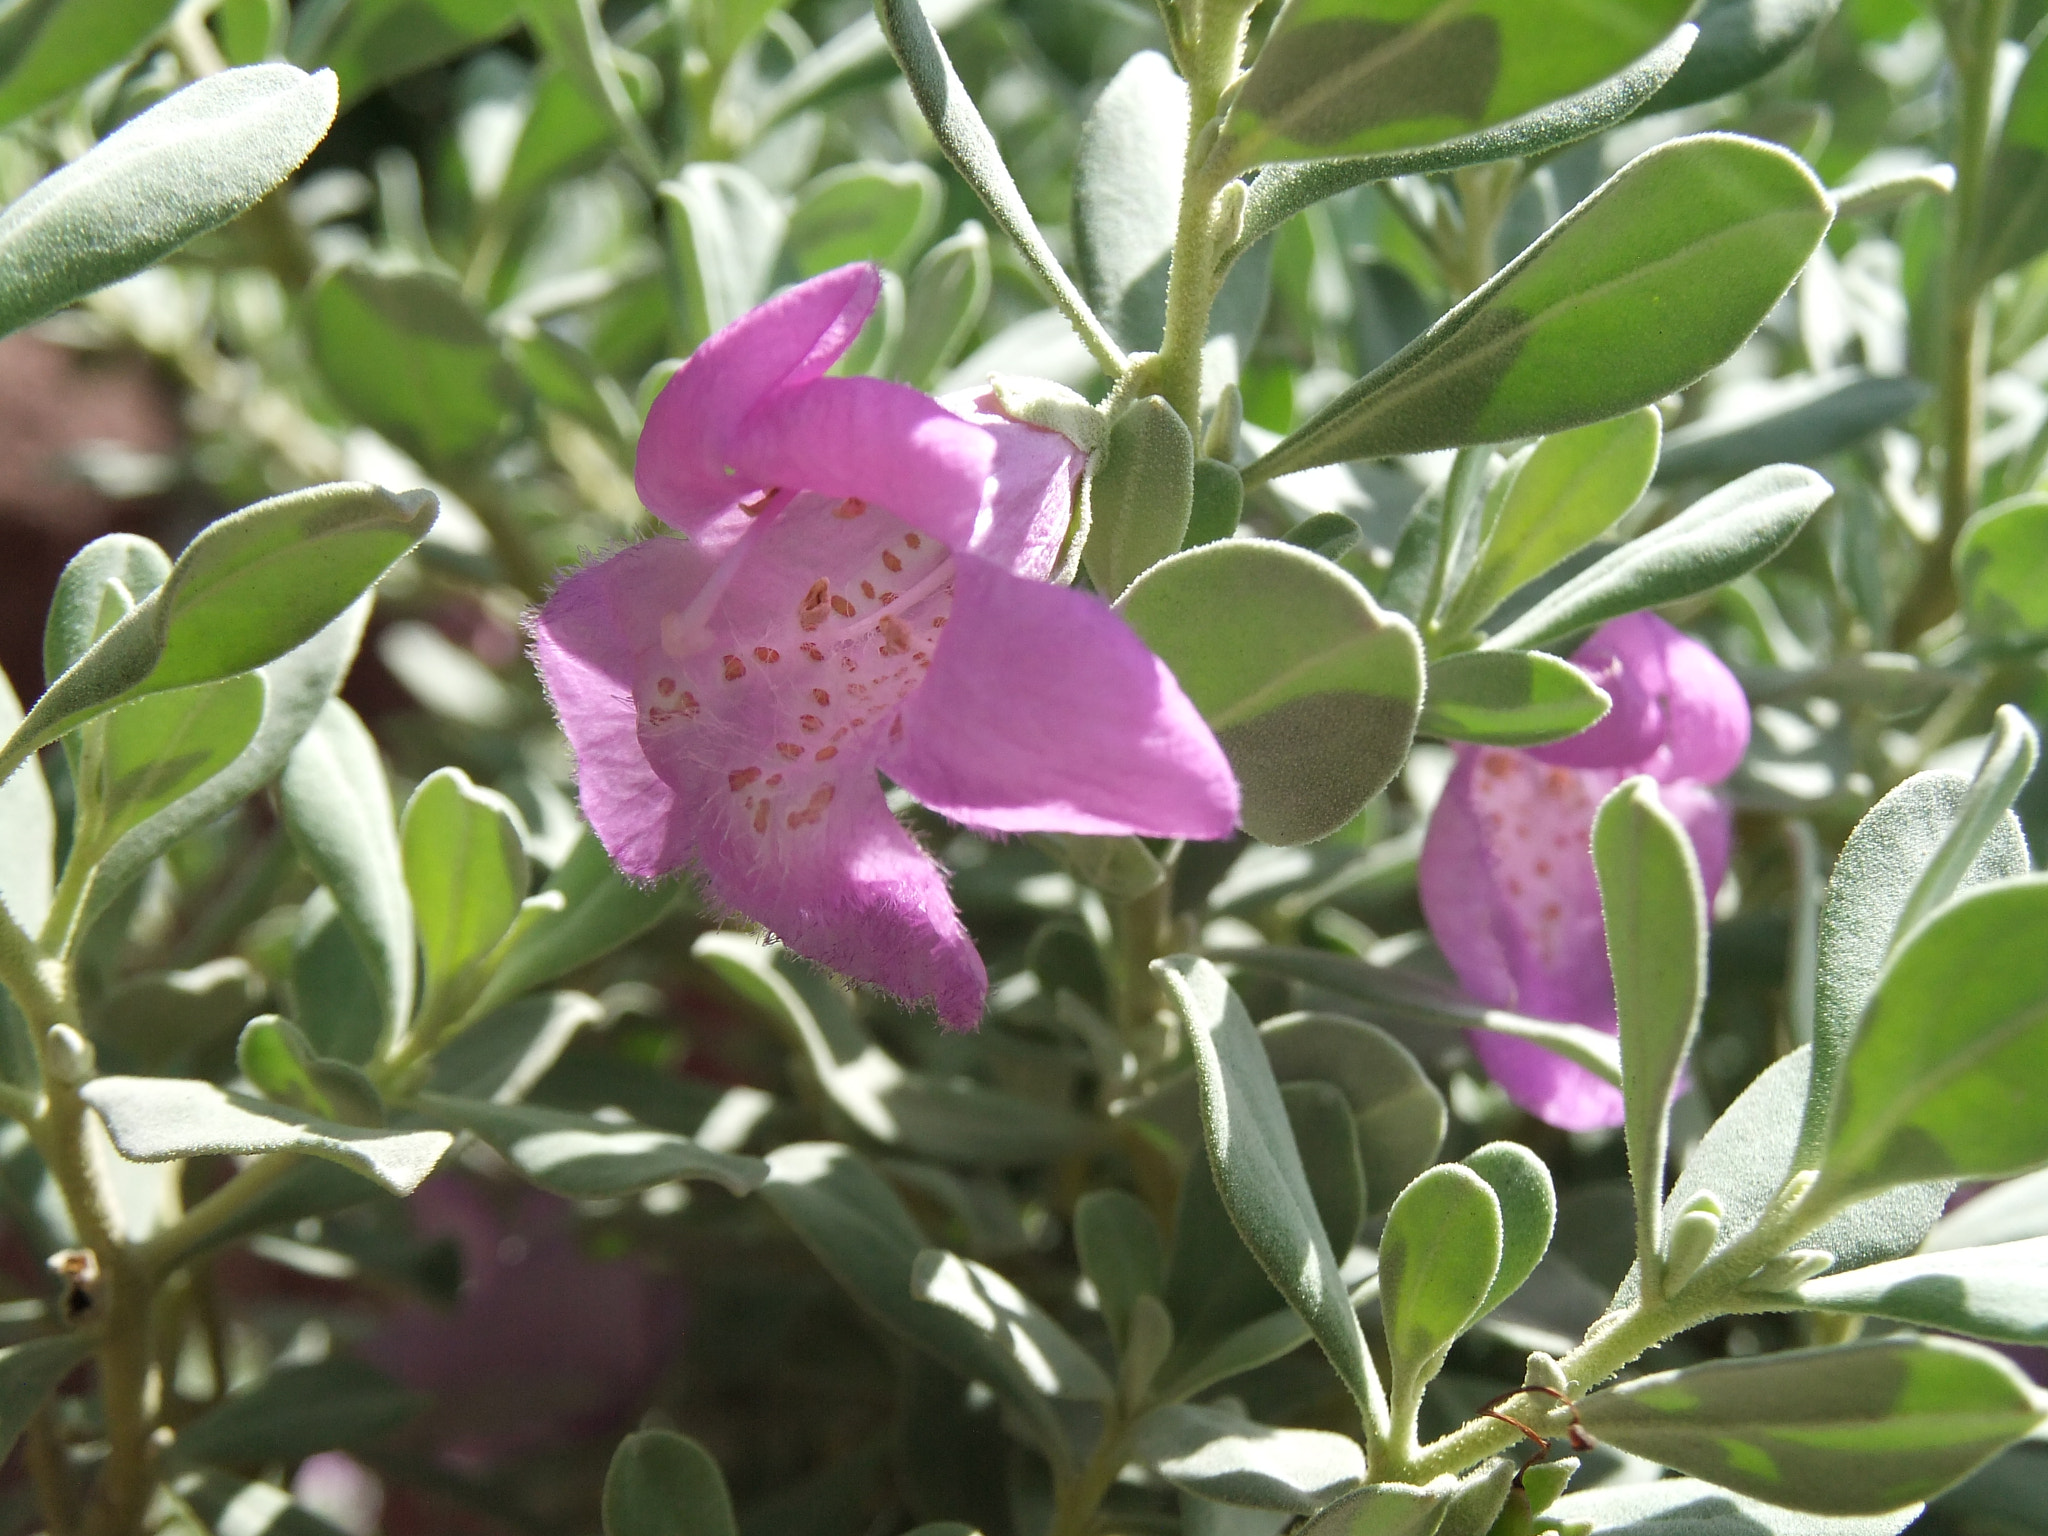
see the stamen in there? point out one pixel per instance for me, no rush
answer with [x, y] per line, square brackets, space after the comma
[810, 613]
[895, 635]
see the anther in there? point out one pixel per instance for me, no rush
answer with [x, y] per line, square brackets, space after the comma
[767, 654]
[735, 669]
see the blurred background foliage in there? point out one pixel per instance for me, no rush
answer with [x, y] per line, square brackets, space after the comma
[522, 215]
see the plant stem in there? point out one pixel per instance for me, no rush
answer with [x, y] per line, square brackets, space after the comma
[1212, 60]
[1075, 1503]
[48, 1470]
[1973, 38]
[172, 1246]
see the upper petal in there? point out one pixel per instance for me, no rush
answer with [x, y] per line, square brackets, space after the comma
[1042, 711]
[1678, 713]
[873, 440]
[591, 642]
[685, 471]
[1029, 501]
[1557, 1092]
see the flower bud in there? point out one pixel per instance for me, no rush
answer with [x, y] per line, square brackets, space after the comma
[1790, 1269]
[1690, 1240]
[1544, 1371]
[70, 1055]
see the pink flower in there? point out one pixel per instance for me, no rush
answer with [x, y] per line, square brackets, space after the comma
[1507, 867]
[863, 588]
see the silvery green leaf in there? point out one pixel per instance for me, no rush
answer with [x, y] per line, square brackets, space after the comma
[1998, 1293]
[295, 1411]
[28, 831]
[501, 1056]
[2004, 1213]
[159, 1119]
[30, 1372]
[337, 805]
[588, 1158]
[1800, 420]
[192, 162]
[1012, 1322]
[1684, 1506]
[1220, 1454]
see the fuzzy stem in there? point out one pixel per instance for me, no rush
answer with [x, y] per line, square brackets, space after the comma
[1973, 39]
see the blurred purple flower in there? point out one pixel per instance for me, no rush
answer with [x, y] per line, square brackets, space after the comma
[545, 1342]
[1506, 874]
[731, 698]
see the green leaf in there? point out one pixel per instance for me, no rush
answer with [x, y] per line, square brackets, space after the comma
[1744, 1159]
[1947, 1071]
[1043, 1351]
[953, 1119]
[725, 231]
[665, 1484]
[864, 211]
[273, 1054]
[72, 41]
[1316, 715]
[1655, 910]
[1121, 868]
[1874, 878]
[1509, 699]
[30, 1372]
[1680, 1506]
[572, 34]
[337, 807]
[1218, 502]
[859, 1231]
[251, 587]
[1439, 1255]
[2010, 753]
[2018, 184]
[1797, 421]
[1705, 232]
[1259, 1174]
[1332, 535]
[947, 293]
[369, 43]
[158, 749]
[161, 1119]
[100, 584]
[599, 911]
[295, 1411]
[1528, 1213]
[28, 831]
[966, 141]
[1999, 558]
[504, 1054]
[587, 1158]
[1411, 998]
[1857, 1430]
[2004, 1213]
[1140, 491]
[403, 350]
[1713, 541]
[1998, 1293]
[1279, 192]
[1571, 488]
[1127, 176]
[465, 867]
[1741, 41]
[295, 687]
[1356, 76]
[1383, 1509]
[1220, 1454]
[191, 163]
[1121, 1253]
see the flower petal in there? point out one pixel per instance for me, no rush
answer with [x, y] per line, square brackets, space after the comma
[590, 643]
[1030, 498]
[853, 891]
[1044, 712]
[1455, 881]
[685, 469]
[1678, 711]
[1557, 1092]
[880, 442]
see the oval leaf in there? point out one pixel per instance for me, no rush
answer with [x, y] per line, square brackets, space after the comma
[1438, 1258]
[2001, 566]
[1852, 1431]
[1706, 233]
[1316, 714]
[1998, 1293]
[1509, 699]
[664, 1484]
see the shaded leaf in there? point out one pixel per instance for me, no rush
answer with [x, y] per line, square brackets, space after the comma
[588, 1158]
[1509, 699]
[1040, 1348]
